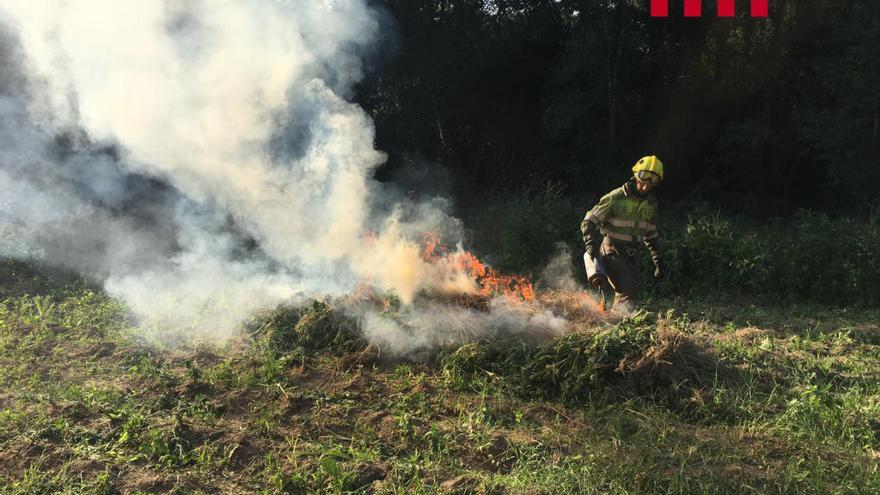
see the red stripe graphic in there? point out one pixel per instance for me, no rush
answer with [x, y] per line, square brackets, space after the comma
[693, 8]
[760, 8]
[726, 8]
[659, 8]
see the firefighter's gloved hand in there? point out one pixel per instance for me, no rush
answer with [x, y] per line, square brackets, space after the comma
[660, 271]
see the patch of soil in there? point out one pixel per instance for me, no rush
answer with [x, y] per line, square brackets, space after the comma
[307, 378]
[492, 456]
[366, 357]
[23, 452]
[68, 409]
[237, 403]
[296, 405]
[95, 351]
[147, 482]
[388, 428]
[459, 485]
[673, 359]
[367, 473]
[244, 449]
[85, 466]
[335, 381]
[200, 357]
[191, 388]
[324, 421]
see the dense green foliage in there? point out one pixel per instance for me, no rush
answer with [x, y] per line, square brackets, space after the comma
[765, 116]
[807, 257]
[811, 257]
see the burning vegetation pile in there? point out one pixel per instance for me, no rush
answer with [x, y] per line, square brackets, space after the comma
[310, 328]
[428, 270]
[638, 353]
[448, 297]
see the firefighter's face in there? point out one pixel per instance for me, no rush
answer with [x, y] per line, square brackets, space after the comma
[644, 187]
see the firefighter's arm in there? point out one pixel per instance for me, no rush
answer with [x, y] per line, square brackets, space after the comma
[652, 242]
[590, 231]
[590, 225]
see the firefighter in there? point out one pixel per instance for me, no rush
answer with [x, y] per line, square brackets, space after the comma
[626, 217]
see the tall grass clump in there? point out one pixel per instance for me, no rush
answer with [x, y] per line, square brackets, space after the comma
[633, 354]
[313, 327]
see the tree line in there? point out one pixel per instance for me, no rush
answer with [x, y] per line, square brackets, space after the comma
[761, 116]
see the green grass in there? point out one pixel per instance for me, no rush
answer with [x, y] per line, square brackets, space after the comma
[708, 397]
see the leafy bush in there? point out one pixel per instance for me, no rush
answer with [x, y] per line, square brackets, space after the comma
[811, 257]
[708, 252]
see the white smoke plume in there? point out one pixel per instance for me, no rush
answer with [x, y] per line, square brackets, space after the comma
[201, 157]
[418, 331]
[558, 273]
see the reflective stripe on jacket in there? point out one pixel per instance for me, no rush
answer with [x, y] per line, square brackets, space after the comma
[625, 216]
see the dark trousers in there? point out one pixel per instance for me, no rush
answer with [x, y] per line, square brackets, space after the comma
[623, 268]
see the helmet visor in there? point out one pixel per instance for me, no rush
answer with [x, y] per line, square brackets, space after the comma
[648, 177]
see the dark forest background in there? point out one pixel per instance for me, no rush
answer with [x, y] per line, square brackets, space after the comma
[763, 117]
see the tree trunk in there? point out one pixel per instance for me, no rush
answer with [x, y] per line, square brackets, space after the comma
[876, 129]
[615, 54]
[876, 141]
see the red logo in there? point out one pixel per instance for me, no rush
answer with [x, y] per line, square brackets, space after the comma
[694, 8]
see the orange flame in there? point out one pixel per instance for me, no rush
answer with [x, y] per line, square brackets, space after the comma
[432, 250]
[594, 305]
[489, 281]
[456, 274]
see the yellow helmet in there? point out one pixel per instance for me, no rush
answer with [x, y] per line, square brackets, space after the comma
[648, 166]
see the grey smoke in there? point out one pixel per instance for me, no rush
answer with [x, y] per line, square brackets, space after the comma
[418, 331]
[558, 273]
[203, 159]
